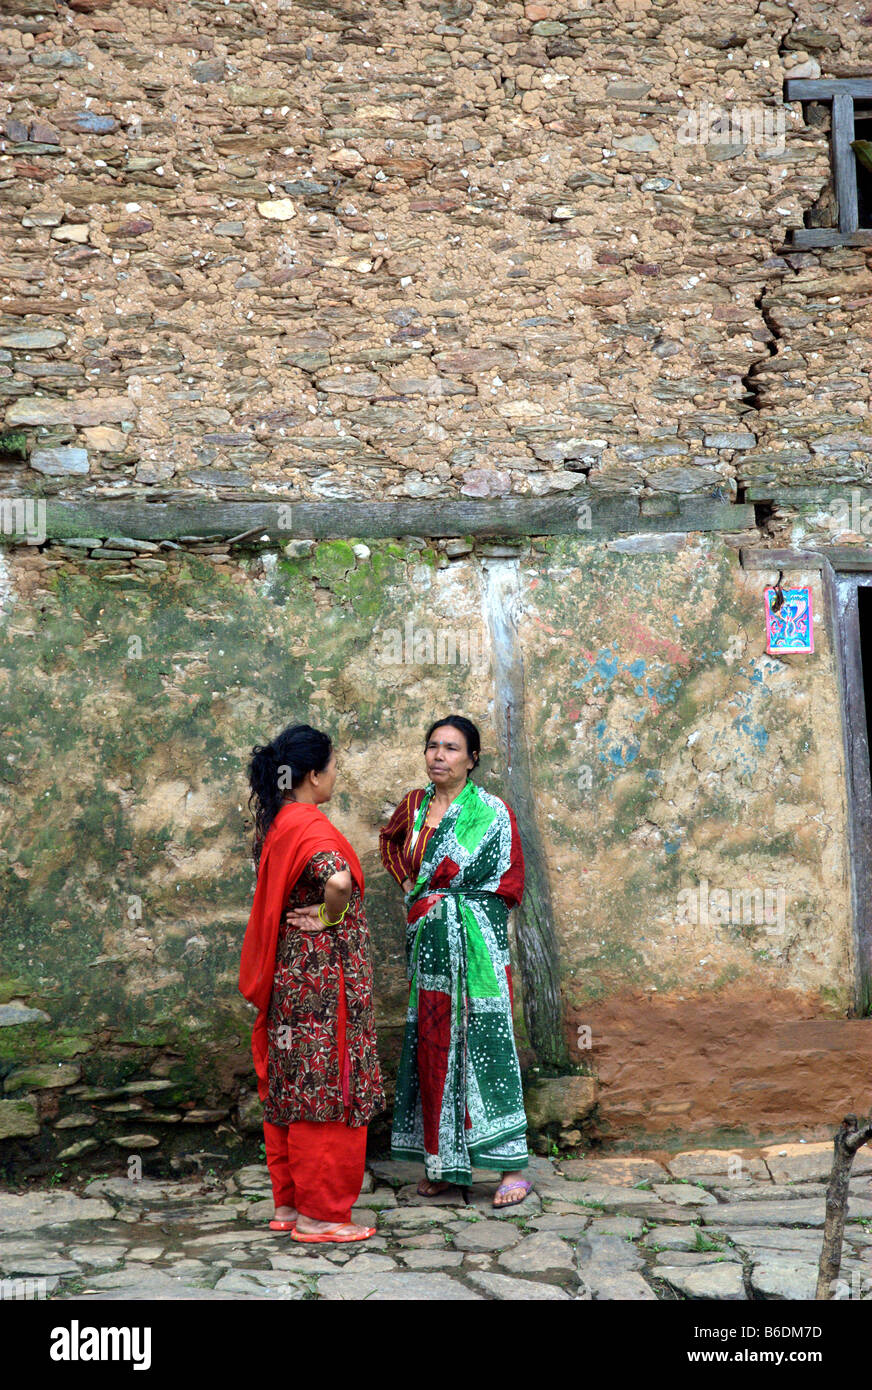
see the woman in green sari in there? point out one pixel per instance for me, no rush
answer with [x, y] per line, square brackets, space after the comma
[456, 852]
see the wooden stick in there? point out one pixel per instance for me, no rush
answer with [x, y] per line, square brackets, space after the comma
[845, 1145]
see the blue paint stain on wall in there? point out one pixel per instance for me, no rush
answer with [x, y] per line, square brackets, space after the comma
[621, 758]
[607, 668]
[746, 723]
[755, 732]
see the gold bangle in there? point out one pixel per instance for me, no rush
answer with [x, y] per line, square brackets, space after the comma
[326, 921]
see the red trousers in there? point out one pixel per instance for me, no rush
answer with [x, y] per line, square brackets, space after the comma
[318, 1166]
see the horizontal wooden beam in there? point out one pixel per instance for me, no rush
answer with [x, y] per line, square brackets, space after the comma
[822, 495]
[759, 558]
[281, 521]
[841, 557]
[806, 238]
[824, 88]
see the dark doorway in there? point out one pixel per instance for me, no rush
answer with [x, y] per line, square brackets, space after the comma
[850, 605]
[863, 131]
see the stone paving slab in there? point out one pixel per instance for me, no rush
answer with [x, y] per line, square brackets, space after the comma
[54, 1208]
[623, 1172]
[28, 1265]
[142, 1282]
[777, 1238]
[502, 1286]
[630, 1226]
[671, 1238]
[567, 1226]
[608, 1197]
[480, 1236]
[607, 1252]
[538, 1254]
[394, 1287]
[810, 1162]
[432, 1259]
[146, 1191]
[784, 1278]
[704, 1163]
[771, 1192]
[722, 1281]
[696, 1257]
[684, 1195]
[626, 1287]
[415, 1217]
[802, 1211]
[245, 1283]
[306, 1261]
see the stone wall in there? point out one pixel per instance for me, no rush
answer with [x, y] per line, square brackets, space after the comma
[426, 249]
[442, 266]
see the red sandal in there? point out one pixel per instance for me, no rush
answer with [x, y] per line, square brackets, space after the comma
[331, 1235]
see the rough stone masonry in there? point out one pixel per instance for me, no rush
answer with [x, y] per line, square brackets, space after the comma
[525, 273]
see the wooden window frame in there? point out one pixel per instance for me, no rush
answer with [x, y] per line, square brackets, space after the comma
[842, 92]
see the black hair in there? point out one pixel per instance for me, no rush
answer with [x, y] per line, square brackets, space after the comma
[280, 766]
[467, 728]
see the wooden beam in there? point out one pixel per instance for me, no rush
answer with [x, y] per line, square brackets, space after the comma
[759, 558]
[839, 557]
[537, 938]
[609, 514]
[845, 162]
[806, 238]
[825, 88]
[821, 495]
[848, 557]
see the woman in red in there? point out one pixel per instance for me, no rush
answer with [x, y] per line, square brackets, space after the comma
[306, 967]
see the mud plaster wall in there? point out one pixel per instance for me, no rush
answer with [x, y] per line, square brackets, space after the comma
[129, 711]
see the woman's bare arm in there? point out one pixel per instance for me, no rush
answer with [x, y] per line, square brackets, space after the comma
[337, 896]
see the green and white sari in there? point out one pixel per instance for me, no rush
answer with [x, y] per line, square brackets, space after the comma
[459, 1103]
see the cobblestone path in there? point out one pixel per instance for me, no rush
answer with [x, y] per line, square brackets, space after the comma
[704, 1224]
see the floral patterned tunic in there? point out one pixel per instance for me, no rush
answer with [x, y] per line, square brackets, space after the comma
[303, 1068]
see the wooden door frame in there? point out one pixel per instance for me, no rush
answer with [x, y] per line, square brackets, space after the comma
[844, 569]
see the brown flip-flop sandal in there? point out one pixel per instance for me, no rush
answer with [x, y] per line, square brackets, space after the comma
[439, 1186]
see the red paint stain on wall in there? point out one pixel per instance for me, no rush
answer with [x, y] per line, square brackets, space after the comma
[648, 645]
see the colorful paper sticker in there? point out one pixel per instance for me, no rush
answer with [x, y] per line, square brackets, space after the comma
[790, 628]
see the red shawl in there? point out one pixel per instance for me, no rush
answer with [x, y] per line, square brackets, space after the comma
[298, 831]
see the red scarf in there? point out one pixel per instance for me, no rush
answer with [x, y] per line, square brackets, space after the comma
[298, 831]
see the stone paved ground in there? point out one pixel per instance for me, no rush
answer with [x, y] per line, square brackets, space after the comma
[684, 1227]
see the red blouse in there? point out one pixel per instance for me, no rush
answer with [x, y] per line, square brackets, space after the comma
[395, 839]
